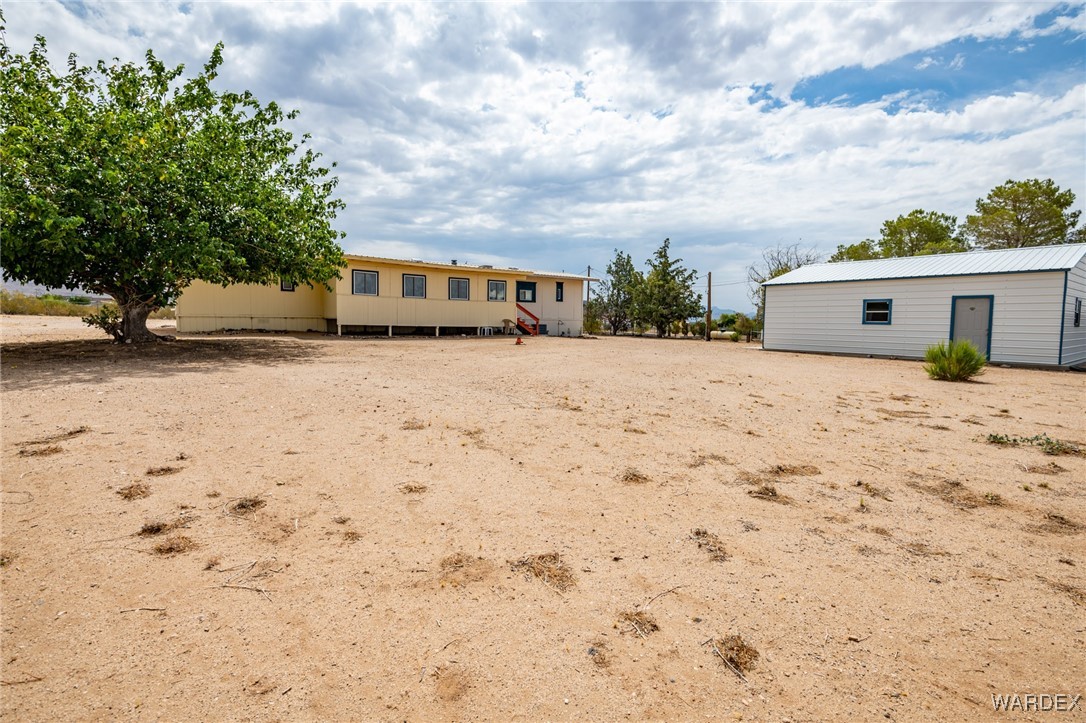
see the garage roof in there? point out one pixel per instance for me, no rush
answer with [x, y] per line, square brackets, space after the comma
[970, 263]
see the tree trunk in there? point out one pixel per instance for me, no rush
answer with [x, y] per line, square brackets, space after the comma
[134, 323]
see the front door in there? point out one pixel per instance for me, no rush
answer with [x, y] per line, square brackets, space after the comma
[971, 318]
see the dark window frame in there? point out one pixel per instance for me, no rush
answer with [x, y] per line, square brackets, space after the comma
[403, 286]
[376, 283]
[286, 285]
[1078, 311]
[467, 289]
[531, 286]
[889, 311]
[559, 291]
[493, 284]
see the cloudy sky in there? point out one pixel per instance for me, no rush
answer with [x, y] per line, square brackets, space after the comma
[545, 135]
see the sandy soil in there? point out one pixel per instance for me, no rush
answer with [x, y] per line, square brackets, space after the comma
[906, 569]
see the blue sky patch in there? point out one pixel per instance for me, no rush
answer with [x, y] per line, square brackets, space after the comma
[950, 75]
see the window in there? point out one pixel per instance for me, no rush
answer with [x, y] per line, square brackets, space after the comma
[414, 286]
[458, 289]
[1078, 311]
[286, 285]
[495, 290]
[877, 311]
[559, 290]
[526, 292]
[364, 282]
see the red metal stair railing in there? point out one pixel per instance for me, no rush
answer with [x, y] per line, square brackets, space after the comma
[529, 325]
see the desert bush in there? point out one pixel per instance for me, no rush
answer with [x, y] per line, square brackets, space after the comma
[108, 319]
[48, 305]
[735, 336]
[954, 361]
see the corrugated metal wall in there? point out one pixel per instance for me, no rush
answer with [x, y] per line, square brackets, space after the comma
[828, 317]
[1074, 339]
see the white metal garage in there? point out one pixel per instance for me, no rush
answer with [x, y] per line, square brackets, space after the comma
[1022, 306]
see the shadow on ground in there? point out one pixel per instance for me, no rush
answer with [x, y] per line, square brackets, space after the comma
[33, 365]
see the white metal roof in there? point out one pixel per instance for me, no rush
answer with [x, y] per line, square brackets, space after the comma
[471, 267]
[1004, 261]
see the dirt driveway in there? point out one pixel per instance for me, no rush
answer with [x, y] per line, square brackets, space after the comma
[270, 527]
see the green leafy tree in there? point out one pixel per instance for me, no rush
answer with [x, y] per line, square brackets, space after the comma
[129, 181]
[667, 293]
[921, 233]
[593, 316]
[917, 234]
[745, 326]
[862, 251]
[726, 321]
[1024, 213]
[617, 293]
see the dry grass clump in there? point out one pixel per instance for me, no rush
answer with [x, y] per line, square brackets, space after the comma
[162, 471]
[634, 430]
[413, 489]
[881, 531]
[873, 491]
[59, 437]
[770, 493]
[40, 451]
[213, 562]
[952, 492]
[547, 568]
[350, 536]
[6, 559]
[460, 568]
[456, 561]
[341, 520]
[704, 459]
[736, 653]
[174, 545]
[640, 622]
[633, 477]
[794, 470]
[1050, 468]
[901, 413]
[157, 527]
[600, 654]
[1057, 524]
[134, 491]
[413, 425]
[246, 505]
[710, 543]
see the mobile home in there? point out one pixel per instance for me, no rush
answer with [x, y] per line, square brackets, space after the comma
[377, 295]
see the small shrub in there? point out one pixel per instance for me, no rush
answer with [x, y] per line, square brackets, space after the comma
[108, 319]
[954, 361]
[735, 336]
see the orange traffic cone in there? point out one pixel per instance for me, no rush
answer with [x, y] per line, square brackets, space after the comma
[519, 341]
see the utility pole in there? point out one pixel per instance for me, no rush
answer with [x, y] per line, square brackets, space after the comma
[709, 307]
[588, 285]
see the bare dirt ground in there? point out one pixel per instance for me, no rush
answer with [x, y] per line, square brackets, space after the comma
[569, 529]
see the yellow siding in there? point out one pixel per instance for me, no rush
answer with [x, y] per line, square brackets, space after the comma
[389, 307]
[207, 307]
[563, 318]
